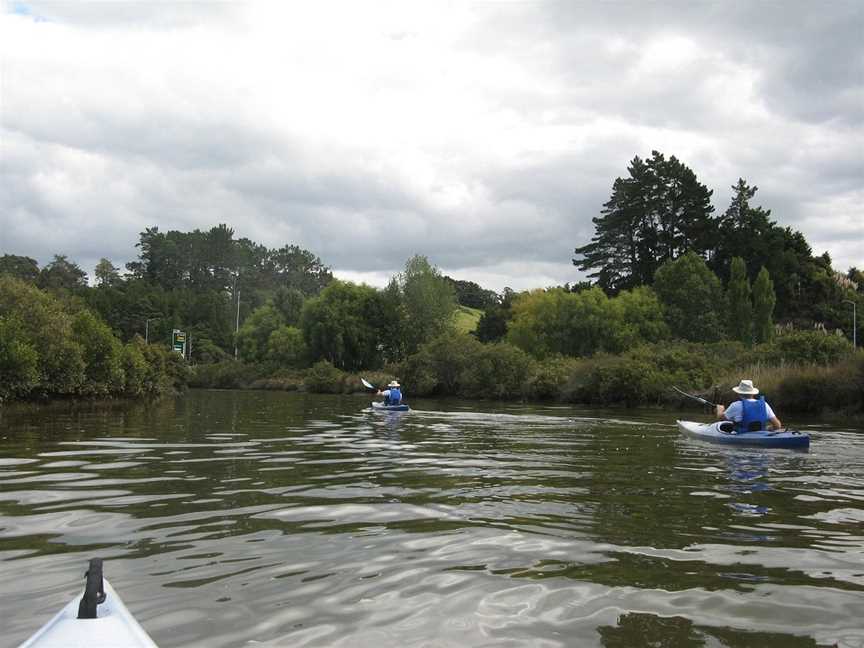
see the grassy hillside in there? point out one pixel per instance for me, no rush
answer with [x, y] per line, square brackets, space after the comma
[466, 318]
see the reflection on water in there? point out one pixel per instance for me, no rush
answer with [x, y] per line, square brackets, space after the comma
[232, 518]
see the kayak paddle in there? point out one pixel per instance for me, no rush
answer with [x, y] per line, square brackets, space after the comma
[367, 385]
[696, 398]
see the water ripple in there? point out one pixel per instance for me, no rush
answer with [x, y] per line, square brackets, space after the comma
[287, 519]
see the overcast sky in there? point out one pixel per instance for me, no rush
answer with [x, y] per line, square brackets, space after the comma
[482, 135]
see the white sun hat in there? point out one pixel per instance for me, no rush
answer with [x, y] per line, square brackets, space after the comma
[393, 383]
[746, 387]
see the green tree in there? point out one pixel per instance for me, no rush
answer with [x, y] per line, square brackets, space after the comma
[856, 276]
[745, 232]
[135, 369]
[297, 268]
[47, 328]
[393, 341]
[75, 352]
[498, 371]
[691, 296]
[286, 348]
[440, 366]
[199, 280]
[764, 300]
[655, 215]
[102, 353]
[19, 370]
[492, 326]
[635, 317]
[809, 347]
[345, 325]
[324, 378]
[427, 302]
[20, 267]
[740, 309]
[289, 302]
[253, 337]
[471, 294]
[215, 253]
[62, 274]
[61, 365]
[804, 285]
[539, 323]
[106, 274]
[557, 322]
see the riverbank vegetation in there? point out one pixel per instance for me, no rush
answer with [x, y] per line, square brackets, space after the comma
[52, 348]
[675, 295]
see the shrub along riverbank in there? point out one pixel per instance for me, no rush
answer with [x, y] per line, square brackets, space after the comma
[802, 372]
[57, 348]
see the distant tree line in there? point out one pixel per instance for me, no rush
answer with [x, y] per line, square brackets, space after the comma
[663, 270]
[352, 326]
[197, 281]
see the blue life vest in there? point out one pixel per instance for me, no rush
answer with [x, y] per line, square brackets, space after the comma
[754, 415]
[395, 397]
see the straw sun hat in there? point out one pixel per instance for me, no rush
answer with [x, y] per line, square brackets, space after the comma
[746, 388]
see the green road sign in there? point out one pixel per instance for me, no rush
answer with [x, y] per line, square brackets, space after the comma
[178, 341]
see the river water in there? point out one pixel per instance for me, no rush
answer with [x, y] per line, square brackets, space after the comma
[278, 519]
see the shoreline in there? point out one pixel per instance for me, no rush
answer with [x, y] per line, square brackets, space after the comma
[671, 406]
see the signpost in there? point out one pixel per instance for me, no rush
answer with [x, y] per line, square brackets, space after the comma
[178, 341]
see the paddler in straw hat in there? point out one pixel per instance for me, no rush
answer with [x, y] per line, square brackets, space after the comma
[392, 395]
[748, 413]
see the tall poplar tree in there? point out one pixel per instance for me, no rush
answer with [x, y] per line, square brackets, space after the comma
[739, 309]
[427, 301]
[763, 307]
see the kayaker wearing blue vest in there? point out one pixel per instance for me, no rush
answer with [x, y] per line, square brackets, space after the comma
[392, 395]
[749, 413]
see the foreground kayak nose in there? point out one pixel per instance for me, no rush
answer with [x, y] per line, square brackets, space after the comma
[97, 618]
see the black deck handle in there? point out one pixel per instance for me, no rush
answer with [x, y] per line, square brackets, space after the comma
[94, 591]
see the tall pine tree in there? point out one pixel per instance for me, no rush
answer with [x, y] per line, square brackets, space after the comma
[655, 215]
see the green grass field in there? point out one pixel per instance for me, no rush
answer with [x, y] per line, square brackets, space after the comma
[465, 319]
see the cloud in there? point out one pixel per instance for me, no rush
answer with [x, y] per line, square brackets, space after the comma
[485, 136]
[156, 15]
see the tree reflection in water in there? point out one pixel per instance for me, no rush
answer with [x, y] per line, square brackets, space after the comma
[639, 630]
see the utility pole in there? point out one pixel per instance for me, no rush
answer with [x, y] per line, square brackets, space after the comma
[854, 323]
[237, 319]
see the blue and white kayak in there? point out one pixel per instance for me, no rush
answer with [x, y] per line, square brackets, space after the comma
[381, 407]
[95, 619]
[724, 432]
